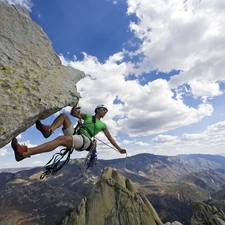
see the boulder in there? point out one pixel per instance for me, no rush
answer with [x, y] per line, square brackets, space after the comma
[33, 82]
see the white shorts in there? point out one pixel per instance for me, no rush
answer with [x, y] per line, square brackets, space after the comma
[78, 139]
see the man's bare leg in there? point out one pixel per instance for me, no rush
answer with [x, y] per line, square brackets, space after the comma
[62, 119]
[65, 141]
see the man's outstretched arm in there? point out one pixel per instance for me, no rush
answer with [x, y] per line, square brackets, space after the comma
[113, 142]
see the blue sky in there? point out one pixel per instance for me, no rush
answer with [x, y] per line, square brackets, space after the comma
[157, 65]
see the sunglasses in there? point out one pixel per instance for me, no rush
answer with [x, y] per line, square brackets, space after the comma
[104, 109]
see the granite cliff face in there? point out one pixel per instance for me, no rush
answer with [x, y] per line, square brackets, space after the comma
[114, 200]
[33, 82]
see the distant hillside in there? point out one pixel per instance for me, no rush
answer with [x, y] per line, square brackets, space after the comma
[171, 184]
[14, 170]
[214, 158]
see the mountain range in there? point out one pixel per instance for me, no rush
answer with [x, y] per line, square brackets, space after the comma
[171, 184]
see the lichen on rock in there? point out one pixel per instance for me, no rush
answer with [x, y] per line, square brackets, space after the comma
[206, 214]
[113, 202]
[33, 82]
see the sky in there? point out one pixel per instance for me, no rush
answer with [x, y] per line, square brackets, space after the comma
[158, 66]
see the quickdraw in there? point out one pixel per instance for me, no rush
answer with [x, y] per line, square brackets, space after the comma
[91, 158]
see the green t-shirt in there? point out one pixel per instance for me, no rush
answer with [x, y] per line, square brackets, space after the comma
[94, 128]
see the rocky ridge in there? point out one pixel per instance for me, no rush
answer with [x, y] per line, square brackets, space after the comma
[24, 197]
[116, 201]
[206, 214]
[33, 82]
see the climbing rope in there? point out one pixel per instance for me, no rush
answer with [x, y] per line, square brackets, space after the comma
[55, 164]
[91, 158]
[120, 189]
[113, 149]
[117, 216]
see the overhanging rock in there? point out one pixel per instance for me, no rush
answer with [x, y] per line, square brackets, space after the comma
[33, 82]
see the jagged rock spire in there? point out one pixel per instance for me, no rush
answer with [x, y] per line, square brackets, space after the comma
[114, 200]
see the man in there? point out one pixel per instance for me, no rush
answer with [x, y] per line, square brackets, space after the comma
[79, 142]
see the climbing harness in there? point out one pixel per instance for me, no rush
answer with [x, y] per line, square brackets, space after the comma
[55, 164]
[91, 158]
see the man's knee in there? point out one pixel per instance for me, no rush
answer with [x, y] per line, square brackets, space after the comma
[66, 118]
[64, 115]
[65, 140]
[62, 138]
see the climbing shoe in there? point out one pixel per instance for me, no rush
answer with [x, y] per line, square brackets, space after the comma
[18, 150]
[45, 130]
